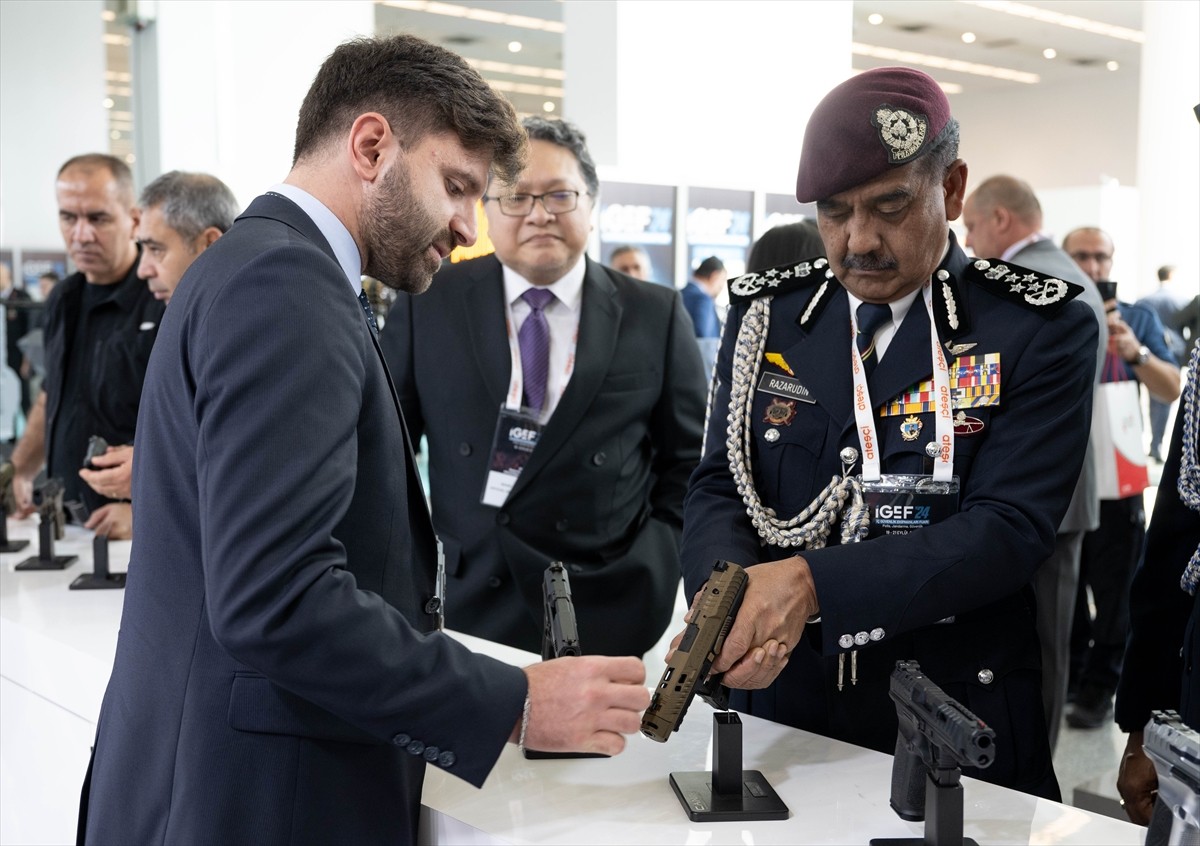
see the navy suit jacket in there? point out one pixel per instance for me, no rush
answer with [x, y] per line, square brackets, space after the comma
[276, 680]
[1016, 476]
[603, 489]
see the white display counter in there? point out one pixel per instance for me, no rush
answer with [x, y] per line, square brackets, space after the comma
[56, 649]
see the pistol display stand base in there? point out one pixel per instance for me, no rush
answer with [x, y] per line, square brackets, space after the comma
[5, 544]
[99, 578]
[943, 817]
[728, 793]
[46, 559]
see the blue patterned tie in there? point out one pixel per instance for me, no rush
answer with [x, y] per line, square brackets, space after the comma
[871, 318]
[366, 306]
[534, 339]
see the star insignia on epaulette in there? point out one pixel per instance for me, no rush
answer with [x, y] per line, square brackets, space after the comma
[1045, 294]
[776, 280]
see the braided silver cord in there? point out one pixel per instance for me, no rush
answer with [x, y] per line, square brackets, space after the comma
[1189, 471]
[810, 528]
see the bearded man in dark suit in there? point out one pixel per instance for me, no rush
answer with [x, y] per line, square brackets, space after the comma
[563, 405]
[278, 676]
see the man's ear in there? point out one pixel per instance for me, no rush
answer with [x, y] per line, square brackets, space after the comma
[955, 188]
[370, 142]
[207, 237]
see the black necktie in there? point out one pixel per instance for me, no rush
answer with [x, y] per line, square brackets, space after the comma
[871, 318]
[366, 306]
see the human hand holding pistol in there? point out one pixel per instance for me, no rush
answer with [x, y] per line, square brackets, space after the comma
[113, 473]
[779, 599]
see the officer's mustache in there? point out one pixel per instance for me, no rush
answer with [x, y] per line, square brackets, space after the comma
[868, 261]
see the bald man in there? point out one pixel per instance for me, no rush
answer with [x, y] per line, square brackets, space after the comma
[1004, 220]
[101, 323]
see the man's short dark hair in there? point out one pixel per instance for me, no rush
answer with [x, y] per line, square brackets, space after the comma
[419, 88]
[937, 162]
[1164, 272]
[191, 202]
[567, 135]
[709, 266]
[120, 171]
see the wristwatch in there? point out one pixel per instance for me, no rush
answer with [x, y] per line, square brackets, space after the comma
[1143, 355]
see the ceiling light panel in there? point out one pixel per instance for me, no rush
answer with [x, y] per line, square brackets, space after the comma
[476, 14]
[1049, 16]
[943, 63]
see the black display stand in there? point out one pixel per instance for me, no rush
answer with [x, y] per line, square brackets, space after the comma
[99, 578]
[943, 814]
[728, 793]
[7, 545]
[46, 559]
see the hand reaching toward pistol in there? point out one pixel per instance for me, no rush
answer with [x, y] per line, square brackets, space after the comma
[584, 703]
[113, 478]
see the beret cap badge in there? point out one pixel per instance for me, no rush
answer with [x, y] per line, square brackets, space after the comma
[900, 131]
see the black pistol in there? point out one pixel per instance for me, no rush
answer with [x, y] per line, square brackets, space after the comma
[687, 672]
[48, 499]
[560, 634]
[1174, 748]
[937, 736]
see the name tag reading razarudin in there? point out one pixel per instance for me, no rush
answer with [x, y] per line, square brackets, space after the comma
[784, 386]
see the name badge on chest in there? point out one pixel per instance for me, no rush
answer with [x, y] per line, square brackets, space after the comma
[899, 504]
[784, 386]
[517, 433]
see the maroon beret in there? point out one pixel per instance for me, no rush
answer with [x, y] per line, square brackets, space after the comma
[879, 119]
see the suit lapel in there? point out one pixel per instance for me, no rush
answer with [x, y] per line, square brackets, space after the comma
[484, 316]
[599, 322]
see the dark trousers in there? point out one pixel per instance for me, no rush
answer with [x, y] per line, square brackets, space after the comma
[1110, 555]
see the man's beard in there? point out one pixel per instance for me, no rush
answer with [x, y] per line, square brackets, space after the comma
[397, 232]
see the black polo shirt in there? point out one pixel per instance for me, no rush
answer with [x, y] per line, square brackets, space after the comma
[98, 341]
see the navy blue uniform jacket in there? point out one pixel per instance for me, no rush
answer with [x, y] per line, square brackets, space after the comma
[1017, 475]
[275, 678]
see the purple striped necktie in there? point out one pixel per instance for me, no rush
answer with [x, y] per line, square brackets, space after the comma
[534, 340]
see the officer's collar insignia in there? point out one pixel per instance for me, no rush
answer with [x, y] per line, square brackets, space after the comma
[949, 313]
[777, 280]
[1035, 291]
[900, 131]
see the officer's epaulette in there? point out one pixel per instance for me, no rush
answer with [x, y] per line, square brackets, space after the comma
[1035, 291]
[778, 280]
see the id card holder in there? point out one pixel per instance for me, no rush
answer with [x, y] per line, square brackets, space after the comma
[900, 504]
[517, 433]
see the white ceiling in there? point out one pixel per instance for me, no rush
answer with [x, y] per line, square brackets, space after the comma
[928, 27]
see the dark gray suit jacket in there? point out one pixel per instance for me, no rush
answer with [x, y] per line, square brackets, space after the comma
[603, 489]
[275, 681]
[1083, 514]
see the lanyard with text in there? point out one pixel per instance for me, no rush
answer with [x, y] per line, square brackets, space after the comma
[516, 384]
[864, 416]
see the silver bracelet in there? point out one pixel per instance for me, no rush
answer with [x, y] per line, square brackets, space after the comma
[524, 724]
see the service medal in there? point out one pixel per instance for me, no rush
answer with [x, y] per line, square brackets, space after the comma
[780, 412]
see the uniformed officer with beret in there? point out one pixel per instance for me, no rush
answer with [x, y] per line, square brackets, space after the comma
[894, 439]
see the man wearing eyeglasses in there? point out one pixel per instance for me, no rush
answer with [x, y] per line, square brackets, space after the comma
[563, 406]
[1137, 350]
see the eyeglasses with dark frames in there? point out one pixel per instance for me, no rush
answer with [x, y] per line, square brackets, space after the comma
[554, 202]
